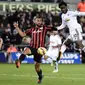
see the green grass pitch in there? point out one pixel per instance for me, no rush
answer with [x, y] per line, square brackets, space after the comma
[26, 75]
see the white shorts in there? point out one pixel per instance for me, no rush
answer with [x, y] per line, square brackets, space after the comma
[75, 35]
[53, 54]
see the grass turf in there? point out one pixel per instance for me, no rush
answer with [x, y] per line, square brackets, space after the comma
[26, 75]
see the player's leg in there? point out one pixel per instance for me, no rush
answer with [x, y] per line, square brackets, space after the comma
[54, 58]
[62, 50]
[22, 57]
[39, 72]
[79, 41]
[48, 55]
[37, 59]
[52, 63]
[79, 44]
[63, 47]
[45, 57]
[55, 66]
[80, 47]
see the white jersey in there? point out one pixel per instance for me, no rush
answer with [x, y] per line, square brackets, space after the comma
[54, 40]
[53, 52]
[70, 19]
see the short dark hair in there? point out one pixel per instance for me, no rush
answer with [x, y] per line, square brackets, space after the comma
[62, 3]
[82, 0]
[39, 16]
[54, 29]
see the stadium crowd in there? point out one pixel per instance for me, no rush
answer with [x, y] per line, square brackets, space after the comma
[26, 19]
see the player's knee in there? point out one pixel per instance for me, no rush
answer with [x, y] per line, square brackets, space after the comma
[80, 45]
[27, 51]
[37, 69]
[67, 42]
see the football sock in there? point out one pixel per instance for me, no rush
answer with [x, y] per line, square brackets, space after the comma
[40, 74]
[52, 63]
[56, 65]
[22, 57]
[60, 53]
[62, 50]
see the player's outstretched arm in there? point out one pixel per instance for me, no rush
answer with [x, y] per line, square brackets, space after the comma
[77, 13]
[22, 34]
[63, 24]
[61, 27]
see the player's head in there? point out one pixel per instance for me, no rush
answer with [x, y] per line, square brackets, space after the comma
[82, 0]
[63, 7]
[39, 21]
[54, 31]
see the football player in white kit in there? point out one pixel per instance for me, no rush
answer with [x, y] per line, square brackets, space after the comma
[54, 47]
[69, 19]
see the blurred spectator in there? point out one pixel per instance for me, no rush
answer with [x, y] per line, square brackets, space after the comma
[3, 0]
[42, 0]
[9, 28]
[82, 21]
[15, 38]
[35, 0]
[10, 49]
[59, 1]
[1, 29]
[48, 0]
[26, 20]
[84, 29]
[26, 40]
[1, 42]
[81, 6]
[6, 38]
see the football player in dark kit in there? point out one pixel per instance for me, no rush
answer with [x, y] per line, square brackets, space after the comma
[38, 34]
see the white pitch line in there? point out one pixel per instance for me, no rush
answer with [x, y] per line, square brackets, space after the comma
[50, 77]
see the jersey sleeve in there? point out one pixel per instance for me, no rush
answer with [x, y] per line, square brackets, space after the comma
[62, 25]
[28, 32]
[77, 13]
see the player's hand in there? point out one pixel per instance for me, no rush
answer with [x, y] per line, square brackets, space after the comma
[15, 24]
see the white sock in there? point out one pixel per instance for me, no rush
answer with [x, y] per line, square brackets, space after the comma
[63, 48]
[56, 65]
[52, 63]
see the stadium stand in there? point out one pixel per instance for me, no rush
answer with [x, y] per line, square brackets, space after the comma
[25, 19]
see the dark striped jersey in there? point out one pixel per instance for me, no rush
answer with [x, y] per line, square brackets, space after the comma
[38, 36]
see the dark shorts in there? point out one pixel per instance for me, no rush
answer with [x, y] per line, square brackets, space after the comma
[37, 57]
